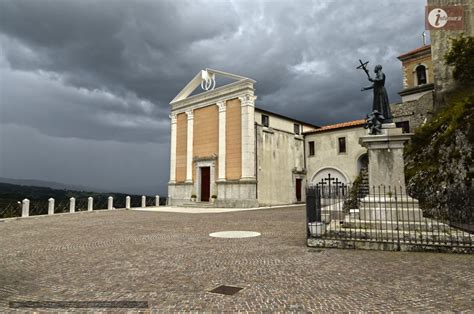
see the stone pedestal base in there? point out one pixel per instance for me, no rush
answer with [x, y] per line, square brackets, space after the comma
[384, 208]
[385, 151]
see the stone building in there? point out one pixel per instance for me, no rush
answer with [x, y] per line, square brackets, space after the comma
[333, 153]
[440, 43]
[222, 146]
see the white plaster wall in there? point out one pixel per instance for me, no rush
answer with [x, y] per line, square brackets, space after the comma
[326, 152]
[280, 123]
[278, 154]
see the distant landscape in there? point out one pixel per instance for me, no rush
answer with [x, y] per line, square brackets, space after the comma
[38, 192]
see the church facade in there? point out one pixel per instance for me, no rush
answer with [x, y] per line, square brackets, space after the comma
[226, 151]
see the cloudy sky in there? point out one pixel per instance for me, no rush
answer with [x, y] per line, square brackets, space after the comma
[85, 85]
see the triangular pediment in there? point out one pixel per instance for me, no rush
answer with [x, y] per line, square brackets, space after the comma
[206, 80]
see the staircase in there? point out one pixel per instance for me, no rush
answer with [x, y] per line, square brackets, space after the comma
[199, 204]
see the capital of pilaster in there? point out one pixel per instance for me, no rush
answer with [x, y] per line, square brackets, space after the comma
[247, 100]
[173, 118]
[190, 114]
[222, 105]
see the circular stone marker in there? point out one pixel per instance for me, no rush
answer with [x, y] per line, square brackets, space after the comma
[234, 234]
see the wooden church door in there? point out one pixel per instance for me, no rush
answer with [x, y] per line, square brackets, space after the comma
[205, 184]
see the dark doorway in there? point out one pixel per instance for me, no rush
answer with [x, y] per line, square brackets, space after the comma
[298, 190]
[205, 183]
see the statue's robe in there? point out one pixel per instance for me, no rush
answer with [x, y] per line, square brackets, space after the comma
[381, 103]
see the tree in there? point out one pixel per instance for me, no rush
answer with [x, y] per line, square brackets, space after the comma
[461, 57]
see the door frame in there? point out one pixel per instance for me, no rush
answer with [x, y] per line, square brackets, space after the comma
[198, 164]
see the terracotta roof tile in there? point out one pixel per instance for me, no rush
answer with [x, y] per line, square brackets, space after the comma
[420, 49]
[341, 125]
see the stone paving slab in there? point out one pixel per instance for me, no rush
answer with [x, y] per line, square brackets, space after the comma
[170, 261]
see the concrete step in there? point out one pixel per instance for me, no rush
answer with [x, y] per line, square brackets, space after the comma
[390, 214]
[335, 230]
[199, 204]
[423, 225]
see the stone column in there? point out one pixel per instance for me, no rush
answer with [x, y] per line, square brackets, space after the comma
[143, 201]
[110, 202]
[157, 201]
[189, 151]
[127, 202]
[51, 206]
[90, 204]
[72, 205]
[173, 149]
[248, 136]
[25, 208]
[222, 138]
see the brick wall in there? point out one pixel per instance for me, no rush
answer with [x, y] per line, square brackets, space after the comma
[206, 132]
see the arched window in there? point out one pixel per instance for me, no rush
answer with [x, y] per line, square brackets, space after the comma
[421, 74]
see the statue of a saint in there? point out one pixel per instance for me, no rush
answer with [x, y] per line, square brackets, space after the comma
[380, 103]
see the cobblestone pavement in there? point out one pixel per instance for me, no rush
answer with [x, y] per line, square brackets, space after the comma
[168, 260]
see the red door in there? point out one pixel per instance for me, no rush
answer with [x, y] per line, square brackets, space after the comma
[205, 184]
[298, 190]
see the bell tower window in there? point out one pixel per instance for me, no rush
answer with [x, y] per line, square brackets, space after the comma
[421, 75]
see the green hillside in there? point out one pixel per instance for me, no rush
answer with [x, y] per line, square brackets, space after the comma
[11, 196]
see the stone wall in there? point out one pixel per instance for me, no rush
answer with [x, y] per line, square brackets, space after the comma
[280, 161]
[416, 112]
[440, 44]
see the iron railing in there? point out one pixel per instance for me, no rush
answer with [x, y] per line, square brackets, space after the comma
[385, 215]
[11, 209]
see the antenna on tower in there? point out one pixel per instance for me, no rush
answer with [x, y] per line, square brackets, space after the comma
[424, 38]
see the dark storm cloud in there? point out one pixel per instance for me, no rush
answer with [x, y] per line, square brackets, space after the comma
[106, 70]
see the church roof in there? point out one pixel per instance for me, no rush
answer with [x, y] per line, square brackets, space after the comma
[414, 52]
[341, 125]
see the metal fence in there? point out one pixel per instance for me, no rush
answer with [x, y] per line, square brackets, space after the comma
[386, 215]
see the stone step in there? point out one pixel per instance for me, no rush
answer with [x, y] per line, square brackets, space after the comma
[334, 230]
[199, 204]
[422, 225]
[390, 214]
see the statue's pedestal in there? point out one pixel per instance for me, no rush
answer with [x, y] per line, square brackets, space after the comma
[387, 199]
[385, 151]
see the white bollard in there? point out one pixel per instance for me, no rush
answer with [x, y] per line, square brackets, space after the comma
[90, 203]
[25, 208]
[143, 201]
[127, 202]
[51, 206]
[110, 203]
[72, 205]
[157, 201]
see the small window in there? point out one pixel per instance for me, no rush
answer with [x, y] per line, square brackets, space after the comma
[297, 128]
[311, 148]
[342, 145]
[421, 74]
[405, 125]
[265, 120]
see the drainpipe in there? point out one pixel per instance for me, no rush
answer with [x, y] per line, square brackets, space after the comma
[256, 160]
[304, 160]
